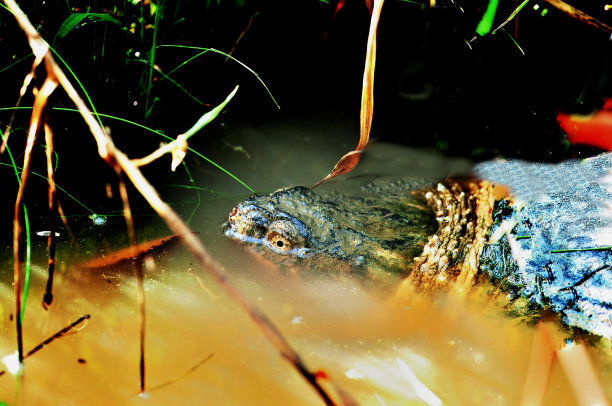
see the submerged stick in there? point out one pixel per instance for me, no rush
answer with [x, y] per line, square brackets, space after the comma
[55, 336]
[184, 374]
[59, 334]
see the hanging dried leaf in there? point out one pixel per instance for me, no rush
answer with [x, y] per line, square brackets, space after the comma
[349, 161]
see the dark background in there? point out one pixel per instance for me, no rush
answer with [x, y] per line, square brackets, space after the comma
[433, 87]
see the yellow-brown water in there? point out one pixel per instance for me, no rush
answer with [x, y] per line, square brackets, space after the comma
[466, 353]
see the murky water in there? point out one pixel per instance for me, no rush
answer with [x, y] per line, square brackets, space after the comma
[465, 353]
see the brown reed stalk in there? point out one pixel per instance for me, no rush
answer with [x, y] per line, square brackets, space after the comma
[40, 101]
[137, 266]
[579, 15]
[52, 197]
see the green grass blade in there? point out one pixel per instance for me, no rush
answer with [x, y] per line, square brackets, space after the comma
[484, 26]
[93, 108]
[192, 182]
[164, 76]
[28, 263]
[18, 169]
[581, 249]
[76, 19]
[210, 116]
[161, 134]
[15, 63]
[151, 61]
[227, 56]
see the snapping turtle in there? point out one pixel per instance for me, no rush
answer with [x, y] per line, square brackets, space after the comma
[371, 236]
[455, 230]
[379, 236]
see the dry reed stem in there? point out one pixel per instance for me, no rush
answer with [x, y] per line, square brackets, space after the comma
[137, 266]
[117, 159]
[579, 15]
[40, 101]
[179, 143]
[51, 240]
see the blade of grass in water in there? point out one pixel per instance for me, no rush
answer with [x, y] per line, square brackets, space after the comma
[581, 249]
[192, 186]
[152, 131]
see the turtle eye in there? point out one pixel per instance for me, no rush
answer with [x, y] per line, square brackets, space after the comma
[284, 235]
[278, 241]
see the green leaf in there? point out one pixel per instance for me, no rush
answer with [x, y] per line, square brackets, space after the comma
[77, 18]
[485, 25]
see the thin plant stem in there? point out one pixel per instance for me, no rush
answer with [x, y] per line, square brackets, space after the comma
[52, 195]
[137, 266]
[161, 134]
[26, 222]
[227, 56]
[151, 61]
[40, 101]
[193, 185]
